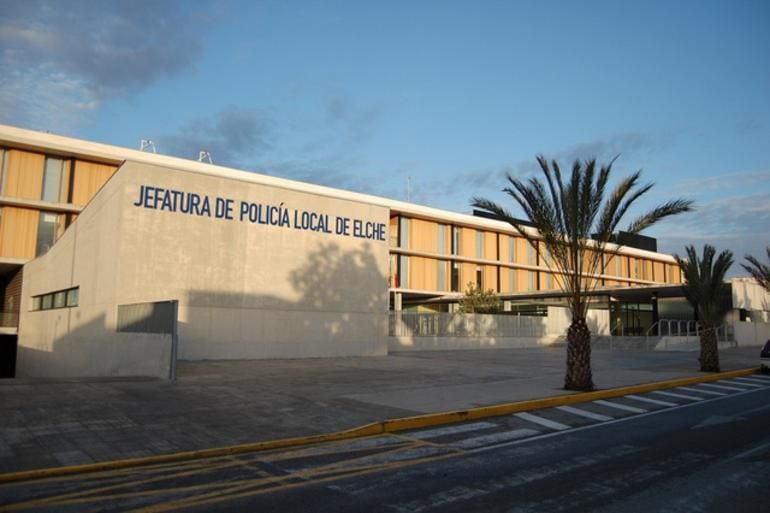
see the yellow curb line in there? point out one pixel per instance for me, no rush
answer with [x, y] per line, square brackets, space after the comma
[375, 428]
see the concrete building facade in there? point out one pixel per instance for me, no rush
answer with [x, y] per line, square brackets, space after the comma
[261, 267]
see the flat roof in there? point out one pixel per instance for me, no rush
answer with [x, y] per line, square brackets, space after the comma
[88, 150]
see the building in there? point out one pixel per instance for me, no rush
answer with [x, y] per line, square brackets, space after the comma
[260, 267]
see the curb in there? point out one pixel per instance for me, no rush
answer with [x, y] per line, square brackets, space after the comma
[375, 428]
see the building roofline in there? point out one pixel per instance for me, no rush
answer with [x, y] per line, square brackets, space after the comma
[88, 150]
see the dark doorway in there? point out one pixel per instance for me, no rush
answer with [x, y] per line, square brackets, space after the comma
[8, 356]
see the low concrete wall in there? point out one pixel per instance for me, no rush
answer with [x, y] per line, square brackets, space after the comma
[407, 343]
[751, 333]
[121, 354]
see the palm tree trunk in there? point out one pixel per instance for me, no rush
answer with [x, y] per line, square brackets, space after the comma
[579, 375]
[709, 351]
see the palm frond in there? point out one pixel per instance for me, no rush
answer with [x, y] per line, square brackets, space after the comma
[574, 221]
[704, 286]
[758, 270]
[669, 208]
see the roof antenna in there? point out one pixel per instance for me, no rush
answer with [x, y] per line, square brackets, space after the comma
[408, 188]
[147, 144]
[204, 156]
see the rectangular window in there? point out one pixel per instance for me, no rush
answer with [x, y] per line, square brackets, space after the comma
[455, 240]
[531, 255]
[532, 284]
[479, 277]
[403, 232]
[549, 281]
[617, 265]
[73, 295]
[441, 239]
[59, 299]
[511, 249]
[512, 280]
[455, 277]
[52, 179]
[46, 232]
[479, 244]
[441, 275]
[403, 271]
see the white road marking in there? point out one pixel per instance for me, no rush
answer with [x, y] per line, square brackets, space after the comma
[678, 396]
[700, 391]
[722, 387]
[542, 421]
[742, 384]
[584, 413]
[752, 379]
[555, 434]
[504, 436]
[618, 406]
[451, 430]
[763, 377]
[651, 401]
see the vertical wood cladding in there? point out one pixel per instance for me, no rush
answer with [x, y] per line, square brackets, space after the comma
[24, 175]
[426, 272]
[18, 232]
[87, 179]
[24, 171]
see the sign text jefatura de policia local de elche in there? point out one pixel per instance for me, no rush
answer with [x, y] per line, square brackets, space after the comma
[279, 215]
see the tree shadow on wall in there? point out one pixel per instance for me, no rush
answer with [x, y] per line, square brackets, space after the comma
[341, 309]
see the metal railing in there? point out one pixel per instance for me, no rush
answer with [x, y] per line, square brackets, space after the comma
[403, 324]
[684, 329]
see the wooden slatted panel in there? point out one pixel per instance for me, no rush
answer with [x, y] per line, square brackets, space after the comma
[624, 266]
[522, 280]
[393, 232]
[674, 274]
[657, 269]
[490, 246]
[87, 179]
[24, 177]
[505, 280]
[490, 277]
[423, 236]
[18, 232]
[430, 282]
[522, 247]
[467, 275]
[467, 244]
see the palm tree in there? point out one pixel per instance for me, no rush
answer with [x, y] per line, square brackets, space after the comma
[758, 270]
[706, 290]
[575, 223]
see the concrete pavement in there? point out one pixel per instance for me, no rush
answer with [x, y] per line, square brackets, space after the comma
[49, 423]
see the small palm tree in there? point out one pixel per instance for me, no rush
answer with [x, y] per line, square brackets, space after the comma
[758, 270]
[706, 290]
[575, 223]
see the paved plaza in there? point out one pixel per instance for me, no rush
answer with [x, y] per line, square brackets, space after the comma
[48, 423]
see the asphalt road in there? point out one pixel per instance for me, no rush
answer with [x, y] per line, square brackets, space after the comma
[700, 448]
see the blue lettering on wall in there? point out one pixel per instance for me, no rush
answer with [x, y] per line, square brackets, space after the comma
[190, 203]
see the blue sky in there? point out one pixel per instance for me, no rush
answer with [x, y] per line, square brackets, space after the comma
[453, 95]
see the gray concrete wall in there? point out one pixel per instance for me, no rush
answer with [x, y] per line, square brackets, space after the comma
[81, 341]
[406, 343]
[751, 333]
[245, 289]
[250, 290]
